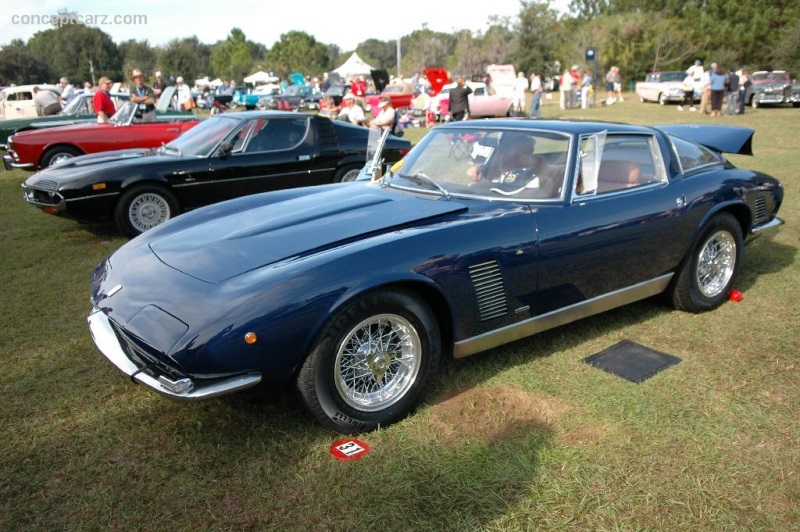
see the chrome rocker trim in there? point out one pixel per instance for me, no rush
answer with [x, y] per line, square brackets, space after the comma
[559, 317]
[184, 390]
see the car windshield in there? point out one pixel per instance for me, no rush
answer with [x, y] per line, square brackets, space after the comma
[204, 137]
[124, 114]
[78, 106]
[671, 76]
[513, 164]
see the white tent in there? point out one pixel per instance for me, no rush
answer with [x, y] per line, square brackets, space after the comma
[260, 77]
[354, 66]
[217, 82]
[202, 82]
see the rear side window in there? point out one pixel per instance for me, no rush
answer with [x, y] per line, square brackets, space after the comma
[692, 156]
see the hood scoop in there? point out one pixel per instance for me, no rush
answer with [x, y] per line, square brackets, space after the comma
[241, 241]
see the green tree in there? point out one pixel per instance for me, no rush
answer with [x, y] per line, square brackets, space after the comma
[138, 54]
[186, 57]
[234, 57]
[425, 49]
[537, 37]
[70, 49]
[379, 54]
[18, 65]
[297, 51]
[787, 52]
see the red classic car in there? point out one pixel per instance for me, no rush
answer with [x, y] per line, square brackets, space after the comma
[36, 149]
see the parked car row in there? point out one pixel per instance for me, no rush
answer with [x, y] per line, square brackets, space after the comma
[767, 88]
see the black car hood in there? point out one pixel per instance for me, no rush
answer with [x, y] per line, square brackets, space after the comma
[723, 139]
[113, 165]
[238, 240]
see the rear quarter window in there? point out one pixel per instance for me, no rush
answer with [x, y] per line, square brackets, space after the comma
[693, 156]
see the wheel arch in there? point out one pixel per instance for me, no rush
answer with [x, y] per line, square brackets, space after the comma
[50, 148]
[739, 210]
[424, 289]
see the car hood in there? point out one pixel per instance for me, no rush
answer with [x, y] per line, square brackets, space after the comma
[438, 78]
[117, 159]
[248, 233]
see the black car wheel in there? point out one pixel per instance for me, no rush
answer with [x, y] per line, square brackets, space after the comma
[345, 174]
[371, 362]
[144, 207]
[59, 153]
[707, 274]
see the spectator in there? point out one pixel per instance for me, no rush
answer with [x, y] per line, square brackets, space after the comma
[618, 85]
[732, 88]
[325, 82]
[705, 90]
[183, 95]
[46, 102]
[387, 115]
[159, 85]
[459, 100]
[359, 90]
[144, 98]
[696, 71]
[87, 88]
[350, 111]
[327, 107]
[67, 91]
[230, 89]
[744, 84]
[688, 93]
[536, 96]
[716, 89]
[610, 86]
[567, 88]
[586, 90]
[521, 87]
[103, 105]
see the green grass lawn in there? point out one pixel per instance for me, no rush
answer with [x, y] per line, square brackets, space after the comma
[524, 437]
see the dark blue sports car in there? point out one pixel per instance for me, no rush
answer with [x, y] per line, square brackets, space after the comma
[486, 232]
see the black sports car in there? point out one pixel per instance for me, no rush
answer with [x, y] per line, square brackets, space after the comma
[227, 156]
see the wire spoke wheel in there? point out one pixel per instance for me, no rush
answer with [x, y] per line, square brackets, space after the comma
[716, 263]
[377, 362]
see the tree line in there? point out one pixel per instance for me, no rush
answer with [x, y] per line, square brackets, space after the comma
[639, 36]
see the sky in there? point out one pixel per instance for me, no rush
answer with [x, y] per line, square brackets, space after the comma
[330, 22]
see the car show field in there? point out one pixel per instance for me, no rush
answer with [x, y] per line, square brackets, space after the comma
[523, 436]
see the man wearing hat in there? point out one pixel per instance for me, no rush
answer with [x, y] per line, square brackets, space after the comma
[159, 85]
[144, 98]
[387, 115]
[350, 111]
[101, 100]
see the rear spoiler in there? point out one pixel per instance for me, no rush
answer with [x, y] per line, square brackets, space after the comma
[723, 139]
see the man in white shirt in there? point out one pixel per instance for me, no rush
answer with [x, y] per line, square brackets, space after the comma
[183, 94]
[350, 111]
[67, 91]
[521, 87]
[536, 96]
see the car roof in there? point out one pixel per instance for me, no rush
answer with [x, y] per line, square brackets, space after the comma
[246, 115]
[575, 127]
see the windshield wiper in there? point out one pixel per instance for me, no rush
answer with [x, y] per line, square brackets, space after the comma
[422, 177]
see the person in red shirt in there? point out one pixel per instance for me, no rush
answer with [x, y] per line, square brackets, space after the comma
[359, 90]
[103, 106]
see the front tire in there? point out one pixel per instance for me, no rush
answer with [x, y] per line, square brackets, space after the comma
[57, 154]
[371, 362]
[662, 99]
[707, 274]
[144, 207]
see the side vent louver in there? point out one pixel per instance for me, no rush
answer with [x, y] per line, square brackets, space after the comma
[761, 209]
[489, 289]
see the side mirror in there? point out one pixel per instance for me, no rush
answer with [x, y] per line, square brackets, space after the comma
[225, 148]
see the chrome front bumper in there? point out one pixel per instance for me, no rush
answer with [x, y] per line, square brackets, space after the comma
[182, 389]
[10, 163]
[765, 230]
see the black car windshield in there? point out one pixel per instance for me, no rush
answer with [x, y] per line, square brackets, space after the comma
[204, 137]
[514, 164]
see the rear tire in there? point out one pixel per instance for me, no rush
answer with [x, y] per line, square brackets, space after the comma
[371, 362]
[346, 174]
[144, 207]
[708, 272]
[662, 99]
